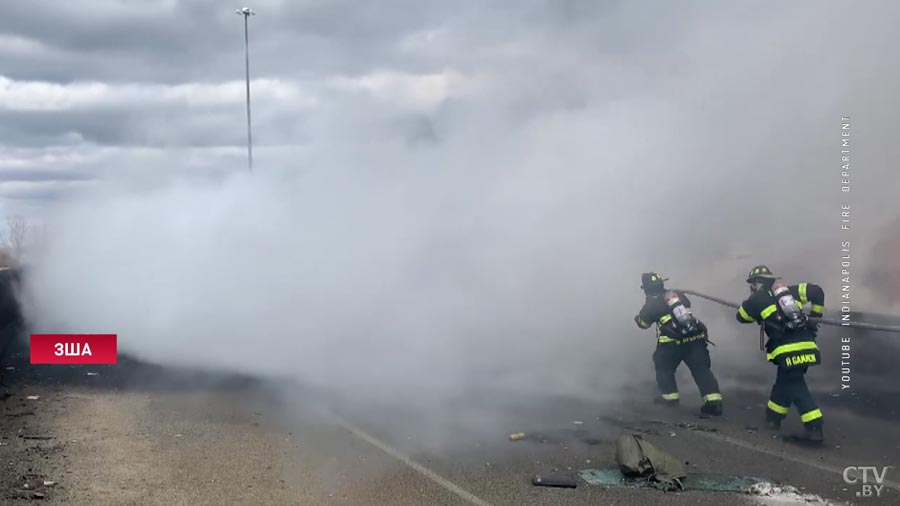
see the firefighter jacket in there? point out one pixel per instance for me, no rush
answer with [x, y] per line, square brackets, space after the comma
[786, 347]
[656, 311]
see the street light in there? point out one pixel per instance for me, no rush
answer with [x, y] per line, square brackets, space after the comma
[247, 12]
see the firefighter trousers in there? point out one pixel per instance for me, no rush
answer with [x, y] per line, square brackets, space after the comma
[667, 358]
[790, 388]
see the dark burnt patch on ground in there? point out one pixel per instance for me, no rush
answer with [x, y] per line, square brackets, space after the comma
[128, 374]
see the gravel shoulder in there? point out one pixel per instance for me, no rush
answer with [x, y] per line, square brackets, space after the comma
[123, 447]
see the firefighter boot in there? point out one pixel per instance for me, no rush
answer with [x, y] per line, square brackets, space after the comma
[713, 408]
[671, 403]
[712, 403]
[814, 433]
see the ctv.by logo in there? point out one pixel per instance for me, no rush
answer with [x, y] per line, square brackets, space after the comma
[872, 479]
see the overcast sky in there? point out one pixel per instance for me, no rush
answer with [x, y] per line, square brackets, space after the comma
[141, 89]
[96, 88]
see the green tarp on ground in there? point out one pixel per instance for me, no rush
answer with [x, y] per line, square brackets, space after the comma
[612, 477]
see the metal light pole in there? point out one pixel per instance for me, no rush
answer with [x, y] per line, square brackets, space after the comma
[247, 12]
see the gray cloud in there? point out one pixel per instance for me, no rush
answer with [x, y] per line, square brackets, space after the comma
[41, 175]
[730, 66]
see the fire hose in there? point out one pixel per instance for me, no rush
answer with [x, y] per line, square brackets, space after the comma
[824, 321]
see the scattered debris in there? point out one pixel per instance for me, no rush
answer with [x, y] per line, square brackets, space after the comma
[32, 397]
[613, 477]
[20, 413]
[696, 427]
[562, 481]
[672, 434]
[578, 422]
[559, 436]
[177, 435]
[34, 486]
[786, 494]
[10, 368]
[766, 488]
[93, 374]
[37, 437]
[638, 458]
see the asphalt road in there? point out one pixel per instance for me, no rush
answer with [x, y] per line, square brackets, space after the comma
[471, 453]
[119, 438]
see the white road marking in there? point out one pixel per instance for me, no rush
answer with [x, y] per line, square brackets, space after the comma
[424, 471]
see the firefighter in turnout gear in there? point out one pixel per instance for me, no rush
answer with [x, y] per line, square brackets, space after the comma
[791, 343]
[681, 337]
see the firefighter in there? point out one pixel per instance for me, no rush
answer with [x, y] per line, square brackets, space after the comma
[681, 337]
[791, 343]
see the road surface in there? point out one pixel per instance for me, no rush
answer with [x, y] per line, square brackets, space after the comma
[117, 438]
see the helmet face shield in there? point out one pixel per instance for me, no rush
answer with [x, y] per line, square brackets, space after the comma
[757, 284]
[760, 277]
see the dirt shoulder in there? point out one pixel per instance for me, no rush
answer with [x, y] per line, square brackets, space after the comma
[100, 444]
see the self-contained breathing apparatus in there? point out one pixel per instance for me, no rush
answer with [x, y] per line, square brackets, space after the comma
[685, 321]
[790, 314]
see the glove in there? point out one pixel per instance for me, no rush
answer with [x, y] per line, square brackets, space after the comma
[813, 326]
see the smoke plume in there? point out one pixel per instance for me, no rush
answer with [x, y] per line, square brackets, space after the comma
[488, 227]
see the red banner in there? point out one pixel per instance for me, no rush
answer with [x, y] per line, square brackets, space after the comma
[74, 349]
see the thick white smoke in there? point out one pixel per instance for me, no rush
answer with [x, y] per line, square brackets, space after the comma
[363, 277]
[508, 247]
